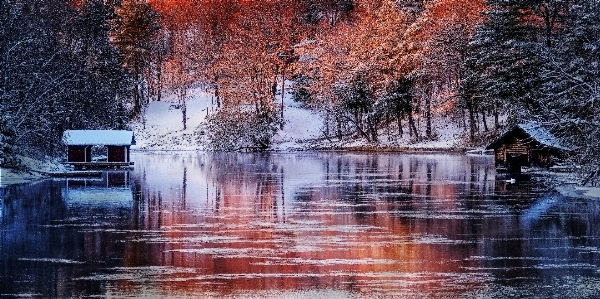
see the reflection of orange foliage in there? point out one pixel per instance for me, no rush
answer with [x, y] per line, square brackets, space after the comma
[77, 3]
[252, 238]
[181, 12]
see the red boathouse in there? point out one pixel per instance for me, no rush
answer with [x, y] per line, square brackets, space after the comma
[80, 143]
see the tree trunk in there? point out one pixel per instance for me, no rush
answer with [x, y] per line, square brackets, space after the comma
[327, 120]
[496, 115]
[476, 121]
[184, 113]
[373, 131]
[137, 101]
[159, 78]
[217, 95]
[399, 121]
[485, 127]
[428, 117]
[471, 120]
[358, 122]
[339, 128]
[412, 127]
[282, 89]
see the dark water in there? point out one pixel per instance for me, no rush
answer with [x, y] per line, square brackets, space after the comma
[299, 225]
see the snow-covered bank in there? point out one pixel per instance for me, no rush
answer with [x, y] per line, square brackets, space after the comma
[579, 191]
[36, 170]
[449, 139]
[10, 176]
[163, 127]
[303, 129]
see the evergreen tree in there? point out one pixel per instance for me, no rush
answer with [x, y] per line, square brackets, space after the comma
[507, 54]
[105, 82]
[502, 63]
[57, 72]
[571, 79]
[134, 29]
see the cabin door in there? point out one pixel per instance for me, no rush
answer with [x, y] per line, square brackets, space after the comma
[515, 161]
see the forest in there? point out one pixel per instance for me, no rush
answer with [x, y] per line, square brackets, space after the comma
[376, 70]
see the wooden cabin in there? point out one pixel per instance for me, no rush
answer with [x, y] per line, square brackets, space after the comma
[528, 144]
[116, 144]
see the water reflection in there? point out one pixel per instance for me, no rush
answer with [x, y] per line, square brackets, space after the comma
[339, 224]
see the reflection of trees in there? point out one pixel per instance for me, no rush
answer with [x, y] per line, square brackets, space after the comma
[268, 213]
[236, 222]
[213, 223]
[46, 241]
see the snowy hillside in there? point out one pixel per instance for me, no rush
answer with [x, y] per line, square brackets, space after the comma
[163, 128]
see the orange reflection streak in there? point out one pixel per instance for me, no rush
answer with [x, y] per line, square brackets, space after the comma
[252, 238]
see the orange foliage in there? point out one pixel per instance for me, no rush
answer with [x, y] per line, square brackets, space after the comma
[442, 34]
[236, 44]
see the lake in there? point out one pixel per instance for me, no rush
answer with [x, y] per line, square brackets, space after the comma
[298, 225]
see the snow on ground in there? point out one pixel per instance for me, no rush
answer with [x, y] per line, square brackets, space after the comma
[10, 176]
[163, 128]
[448, 136]
[304, 129]
[573, 190]
[301, 125]
[37, 170]
[589, 191]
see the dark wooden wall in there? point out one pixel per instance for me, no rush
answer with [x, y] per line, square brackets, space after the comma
[116, 154]
[79, 153]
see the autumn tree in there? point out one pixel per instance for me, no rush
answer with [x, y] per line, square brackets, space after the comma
[440, 35]
[359, 58]
[251, 61]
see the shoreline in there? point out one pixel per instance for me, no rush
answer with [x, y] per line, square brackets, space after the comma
[353, 148]
[11, 177]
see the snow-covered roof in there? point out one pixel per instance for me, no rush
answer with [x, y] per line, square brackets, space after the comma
[98, 137]
[541, 135]
[537, 133]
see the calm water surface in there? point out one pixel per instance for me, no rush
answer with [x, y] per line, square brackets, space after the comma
[298, 225]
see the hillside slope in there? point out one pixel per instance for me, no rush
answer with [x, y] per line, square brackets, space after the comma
[162, 128]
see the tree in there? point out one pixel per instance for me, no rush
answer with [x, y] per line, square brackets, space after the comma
[356, 106]
[134, 30]
[240, 129]
[571, 78]
[329, 11]
[501, 62]
[351, 67]
[504, 59]
[55, 78]
[441, 34]
[400, 104]
[102, 79]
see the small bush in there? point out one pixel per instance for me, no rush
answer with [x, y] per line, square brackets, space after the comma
[239, 130]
